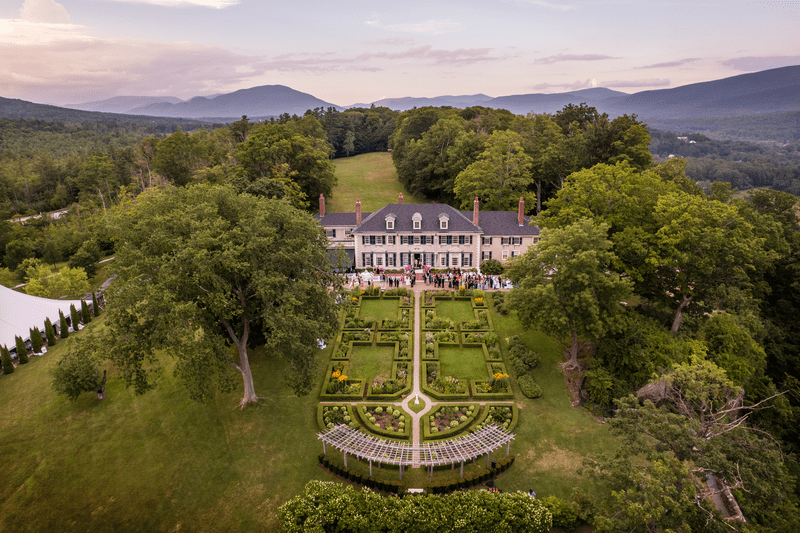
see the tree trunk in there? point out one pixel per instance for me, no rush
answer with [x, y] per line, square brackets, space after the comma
[676, 324]
[247, 376]
[573, 352]
[538, 197]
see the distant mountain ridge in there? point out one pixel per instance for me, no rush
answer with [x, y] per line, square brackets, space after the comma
[773, 92]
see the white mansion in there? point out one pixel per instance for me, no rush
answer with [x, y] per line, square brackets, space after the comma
[436, 235]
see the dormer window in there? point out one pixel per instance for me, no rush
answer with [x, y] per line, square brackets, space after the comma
[390, 218]
[443, 221]
[417, 219]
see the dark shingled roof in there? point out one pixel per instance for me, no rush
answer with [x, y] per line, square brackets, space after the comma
[339, 219]
[491, 222]
[376, 222]
[503, 223]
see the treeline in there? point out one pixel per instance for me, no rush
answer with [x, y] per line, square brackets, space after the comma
[454, 155]
[290, 160]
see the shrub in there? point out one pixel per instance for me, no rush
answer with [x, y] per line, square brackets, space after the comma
[529, 387]
[95, 306]
[86, 316]
[74, 374]
[36, 340]
[22, 350]
[50, 332]
[75, 317]
[8, 364]
[62, 325]
[492, 267]
[565, 513]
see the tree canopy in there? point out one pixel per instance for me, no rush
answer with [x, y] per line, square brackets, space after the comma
[203, 268]
[567, 286]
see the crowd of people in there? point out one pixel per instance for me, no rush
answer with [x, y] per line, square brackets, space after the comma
[449, 279]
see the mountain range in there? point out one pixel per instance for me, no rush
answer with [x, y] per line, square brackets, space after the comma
[769, 97]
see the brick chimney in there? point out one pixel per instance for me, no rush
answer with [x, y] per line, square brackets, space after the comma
[400, 200]
[521, 212]
[475, 211]
[321, 206]
[358, 212]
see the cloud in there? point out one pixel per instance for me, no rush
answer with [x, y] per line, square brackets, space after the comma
[217, 4]
[587, 84]
[574, 86]
[648, 82]
[392, 41]
[670, 63]
[429, 26]
[548, 5]
[44, 11]
[752, 64]
[571, 57]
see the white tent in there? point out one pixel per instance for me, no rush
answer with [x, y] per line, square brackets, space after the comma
[19, 312]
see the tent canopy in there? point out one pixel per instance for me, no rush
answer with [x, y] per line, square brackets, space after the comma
[19, 312]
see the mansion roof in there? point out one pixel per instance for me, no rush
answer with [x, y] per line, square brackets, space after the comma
[490, 222]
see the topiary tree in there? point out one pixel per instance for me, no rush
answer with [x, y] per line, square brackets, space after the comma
[75, 317]
[62, 325]
[77, 371]
[95, 306]
[50, 332]
[36, 340]
[8, 364]
[22, 350]
[86, 316]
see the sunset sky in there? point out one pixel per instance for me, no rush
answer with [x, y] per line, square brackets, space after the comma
[348, 51]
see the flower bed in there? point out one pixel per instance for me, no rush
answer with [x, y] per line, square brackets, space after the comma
[332, 415]
[449, 420]
[338, 386]
[403, 322]
[504, 415]
[383, 388]
[482, 321]
[402, 340]
[442, 387]
[386, 420]
[359, 323]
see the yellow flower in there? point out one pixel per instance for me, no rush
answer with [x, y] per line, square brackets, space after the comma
[336, 374]
[342, 378]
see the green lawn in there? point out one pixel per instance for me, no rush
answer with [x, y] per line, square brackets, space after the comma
[366, 362]
[553, 437]
[379, 309]
[157, 462]
[462, 363]
[370, 178]
[161, 462]
[456, 311]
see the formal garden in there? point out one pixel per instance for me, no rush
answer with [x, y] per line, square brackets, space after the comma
[463, 381]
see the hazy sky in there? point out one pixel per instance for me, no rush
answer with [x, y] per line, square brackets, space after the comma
[349, 51]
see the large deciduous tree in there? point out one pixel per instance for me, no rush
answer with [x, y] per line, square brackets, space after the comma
[202, 268]
[567, 286]
[275, 155]
[501, 174]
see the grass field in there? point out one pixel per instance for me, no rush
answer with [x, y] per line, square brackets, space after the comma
[379, 309]
[455, 311]
[462, 363]
[370, 178]
[366, 362]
